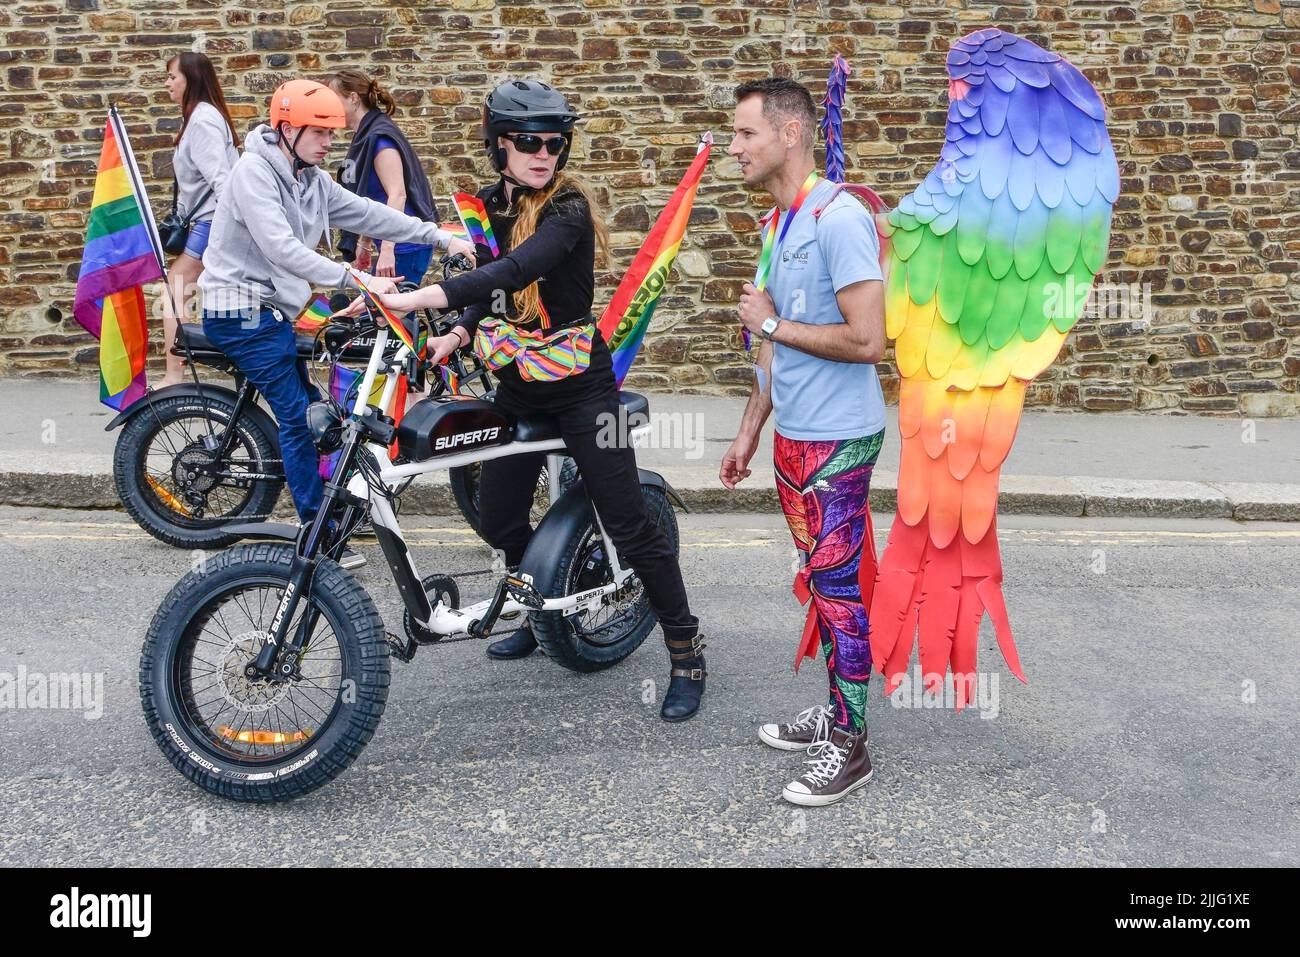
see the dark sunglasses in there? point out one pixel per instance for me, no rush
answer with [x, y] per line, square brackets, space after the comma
[531, 143]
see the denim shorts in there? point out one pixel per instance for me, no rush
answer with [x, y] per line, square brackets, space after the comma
[197, 240]
[414, 264]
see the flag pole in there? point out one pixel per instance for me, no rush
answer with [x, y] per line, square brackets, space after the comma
[137, 184]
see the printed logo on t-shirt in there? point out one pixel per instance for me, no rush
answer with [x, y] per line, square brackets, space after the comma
[794, 258]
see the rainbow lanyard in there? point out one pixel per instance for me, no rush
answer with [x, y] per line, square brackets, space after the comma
[770, 239]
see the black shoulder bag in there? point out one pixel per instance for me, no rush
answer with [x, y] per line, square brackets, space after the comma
[175, 231]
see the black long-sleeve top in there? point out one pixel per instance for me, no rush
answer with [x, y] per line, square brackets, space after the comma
[560, 256]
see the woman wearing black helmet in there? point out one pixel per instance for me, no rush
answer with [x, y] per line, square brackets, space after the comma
[548, 228]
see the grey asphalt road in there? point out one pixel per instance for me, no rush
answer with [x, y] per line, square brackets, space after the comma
[1159, 726]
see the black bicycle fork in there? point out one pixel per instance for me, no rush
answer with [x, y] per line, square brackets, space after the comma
[279, 656]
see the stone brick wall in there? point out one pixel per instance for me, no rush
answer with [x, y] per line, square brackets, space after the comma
[1204, 117]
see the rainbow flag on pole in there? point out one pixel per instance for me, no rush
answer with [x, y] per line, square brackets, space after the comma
[343, 389]
[624, 322]
[122, 253]
[417, 343]
[474, 218]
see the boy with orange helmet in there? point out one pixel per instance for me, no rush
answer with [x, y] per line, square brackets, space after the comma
[261, 259]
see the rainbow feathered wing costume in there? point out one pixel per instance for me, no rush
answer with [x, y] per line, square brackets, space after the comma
[988, 265]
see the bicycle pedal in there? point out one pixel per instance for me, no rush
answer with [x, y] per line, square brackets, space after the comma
[404, 650]
[523, 592]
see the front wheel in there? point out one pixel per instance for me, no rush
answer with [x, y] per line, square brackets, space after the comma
[596, 639]
[262, 740]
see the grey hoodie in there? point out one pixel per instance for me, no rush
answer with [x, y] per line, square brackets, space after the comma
[262, 250]
[203, 160]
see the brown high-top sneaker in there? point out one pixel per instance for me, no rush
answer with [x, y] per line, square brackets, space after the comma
[806, 728]
[839, 764]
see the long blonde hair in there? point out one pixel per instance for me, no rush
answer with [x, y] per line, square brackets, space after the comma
[528, 301]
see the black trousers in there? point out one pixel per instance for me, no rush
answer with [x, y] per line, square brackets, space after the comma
[506, 488]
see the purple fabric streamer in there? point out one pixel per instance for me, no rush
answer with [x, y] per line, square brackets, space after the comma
[832, 120]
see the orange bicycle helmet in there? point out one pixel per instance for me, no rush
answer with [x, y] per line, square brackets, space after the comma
[306, 103]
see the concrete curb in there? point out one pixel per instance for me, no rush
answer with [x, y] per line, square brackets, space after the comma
[80, 487]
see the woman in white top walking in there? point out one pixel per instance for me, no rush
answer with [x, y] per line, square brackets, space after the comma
[205, 152]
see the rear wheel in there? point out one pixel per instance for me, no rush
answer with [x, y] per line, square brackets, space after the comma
[180, 491]
[262, 740]
[596, 639]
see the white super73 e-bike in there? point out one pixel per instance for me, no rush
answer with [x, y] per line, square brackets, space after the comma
[266, 669]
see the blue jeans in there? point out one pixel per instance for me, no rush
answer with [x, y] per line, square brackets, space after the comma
[413, 265]
[264, 349]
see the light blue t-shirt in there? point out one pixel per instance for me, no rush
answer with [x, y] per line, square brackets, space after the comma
[819, 399]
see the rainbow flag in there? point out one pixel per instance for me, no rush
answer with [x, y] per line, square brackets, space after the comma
[343, 386]
[314, 316]
[624, 322]
[343, 390]
[122, 252]
[395, 325]
[474, 218]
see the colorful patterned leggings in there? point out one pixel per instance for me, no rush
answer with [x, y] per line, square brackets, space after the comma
[823, 488]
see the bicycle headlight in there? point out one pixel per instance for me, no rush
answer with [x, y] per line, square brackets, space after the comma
[326, 426]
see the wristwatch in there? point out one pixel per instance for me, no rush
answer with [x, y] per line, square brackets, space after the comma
[769, 327]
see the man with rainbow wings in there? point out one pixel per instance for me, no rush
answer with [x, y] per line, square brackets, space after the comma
[987, 264]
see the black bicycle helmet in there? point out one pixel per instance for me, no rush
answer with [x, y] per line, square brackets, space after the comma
[525, 106]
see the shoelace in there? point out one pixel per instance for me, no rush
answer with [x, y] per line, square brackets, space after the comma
[824, 756]
[813, 717]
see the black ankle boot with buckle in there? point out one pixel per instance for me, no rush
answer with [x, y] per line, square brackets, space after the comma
[686, 679]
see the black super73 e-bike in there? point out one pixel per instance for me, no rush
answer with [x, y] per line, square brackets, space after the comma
[265, 670]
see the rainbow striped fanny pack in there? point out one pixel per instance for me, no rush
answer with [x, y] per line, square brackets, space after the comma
[537, 356]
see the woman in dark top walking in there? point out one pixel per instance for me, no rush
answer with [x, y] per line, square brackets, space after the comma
[548, 229]
[381, 165]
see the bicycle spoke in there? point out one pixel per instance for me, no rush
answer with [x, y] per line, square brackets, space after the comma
[257, 720]
[224, 499]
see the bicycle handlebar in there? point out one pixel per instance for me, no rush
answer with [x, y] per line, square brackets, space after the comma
[342, 330]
